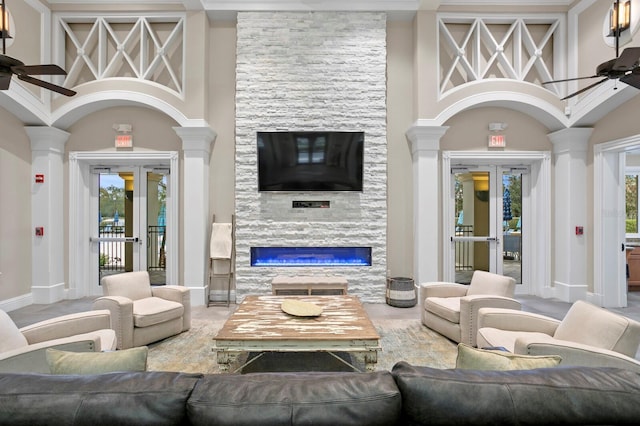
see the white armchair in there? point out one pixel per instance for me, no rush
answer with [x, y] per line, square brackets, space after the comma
[142, 314]
[587, 336]
[24, 349]
[451, 309]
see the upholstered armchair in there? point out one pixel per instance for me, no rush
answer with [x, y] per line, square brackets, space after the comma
[587, 335]
[451, 309]
[142, 314]
[24, 349]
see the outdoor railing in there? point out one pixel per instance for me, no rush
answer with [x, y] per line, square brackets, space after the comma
[112, 253]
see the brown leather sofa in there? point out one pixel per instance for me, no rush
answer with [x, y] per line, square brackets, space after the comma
[408, 395]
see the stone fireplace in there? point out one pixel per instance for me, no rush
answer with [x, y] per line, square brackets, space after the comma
[311, 71]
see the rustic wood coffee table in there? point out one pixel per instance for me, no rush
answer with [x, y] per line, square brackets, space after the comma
[259, 325]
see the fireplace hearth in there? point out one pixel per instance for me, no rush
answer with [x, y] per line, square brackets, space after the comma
[310, 256]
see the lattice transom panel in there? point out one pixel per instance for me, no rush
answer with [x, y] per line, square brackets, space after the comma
[479, 48]
[147, 48]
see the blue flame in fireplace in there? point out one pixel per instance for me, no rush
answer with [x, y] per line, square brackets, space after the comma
[310, 256]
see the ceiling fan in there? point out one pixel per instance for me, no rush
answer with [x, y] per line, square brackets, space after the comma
[10, 66]
[624, 67]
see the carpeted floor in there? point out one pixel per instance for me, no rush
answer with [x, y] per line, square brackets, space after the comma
[401, 340]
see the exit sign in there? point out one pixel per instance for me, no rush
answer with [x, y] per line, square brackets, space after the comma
[497, 141]
[124, 141]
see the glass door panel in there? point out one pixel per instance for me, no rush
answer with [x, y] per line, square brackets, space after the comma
[474, 236]
[512, 223]
[118, 222]
[156, 227]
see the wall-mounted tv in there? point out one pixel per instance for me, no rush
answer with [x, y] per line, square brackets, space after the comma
[310, 161]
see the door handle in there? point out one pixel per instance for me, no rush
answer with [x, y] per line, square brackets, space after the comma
[115, 239]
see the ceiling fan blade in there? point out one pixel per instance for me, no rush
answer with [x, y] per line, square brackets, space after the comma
[585, 89]
[628, 59]
[632, 79]
[569, 79]
[47, 85]
[50, 69]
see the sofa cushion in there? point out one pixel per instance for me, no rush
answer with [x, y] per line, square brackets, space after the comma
[561, 395]
[64, 362]
[154, 310]
[136, 398]
[444, 307]
[488, 336]
[10, 336]
[296, 398]
[483, 282]
[591, 325]
[480, 359]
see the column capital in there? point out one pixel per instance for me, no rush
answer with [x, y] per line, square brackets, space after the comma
[196, 138]
[571, 140]
[45, 138]
[423, 137]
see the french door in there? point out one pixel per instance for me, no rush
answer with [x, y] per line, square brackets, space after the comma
[489, 223]
[130, 231]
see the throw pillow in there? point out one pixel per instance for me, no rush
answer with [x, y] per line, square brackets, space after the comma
[471, 358]
[64, 362]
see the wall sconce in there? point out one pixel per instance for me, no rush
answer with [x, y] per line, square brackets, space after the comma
[481, 186]
[619, 17]
[5, 26]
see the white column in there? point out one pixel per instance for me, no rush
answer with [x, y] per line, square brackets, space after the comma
[570, 249]
[47, 211]
[197, 143]
[424, 142]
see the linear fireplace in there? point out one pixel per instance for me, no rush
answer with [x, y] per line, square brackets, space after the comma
[310, 256]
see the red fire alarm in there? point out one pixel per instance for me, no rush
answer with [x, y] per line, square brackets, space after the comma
[39, 178]
[579, 230]
[39, 231]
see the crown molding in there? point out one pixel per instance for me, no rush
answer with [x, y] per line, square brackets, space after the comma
[395, 9]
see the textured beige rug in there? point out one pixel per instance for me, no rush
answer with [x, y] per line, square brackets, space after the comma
[401, 340]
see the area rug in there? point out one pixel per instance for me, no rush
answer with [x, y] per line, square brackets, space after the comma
[401, 340]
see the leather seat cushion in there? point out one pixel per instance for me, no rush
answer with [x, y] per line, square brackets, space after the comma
[154, 310]
[444, 307]
[561, 395]
[302, 398]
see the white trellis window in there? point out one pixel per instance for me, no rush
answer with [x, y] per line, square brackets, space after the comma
[150, 48]
[524, 48]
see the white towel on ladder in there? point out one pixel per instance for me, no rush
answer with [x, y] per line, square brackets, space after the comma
[220, 244]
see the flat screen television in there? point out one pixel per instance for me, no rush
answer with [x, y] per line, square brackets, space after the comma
[310, 161]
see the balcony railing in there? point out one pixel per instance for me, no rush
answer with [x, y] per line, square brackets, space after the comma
[525, 48]
[96, 47]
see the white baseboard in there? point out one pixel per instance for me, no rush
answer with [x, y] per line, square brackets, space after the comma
[570, 292]
[16, 302]
[48, 294]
